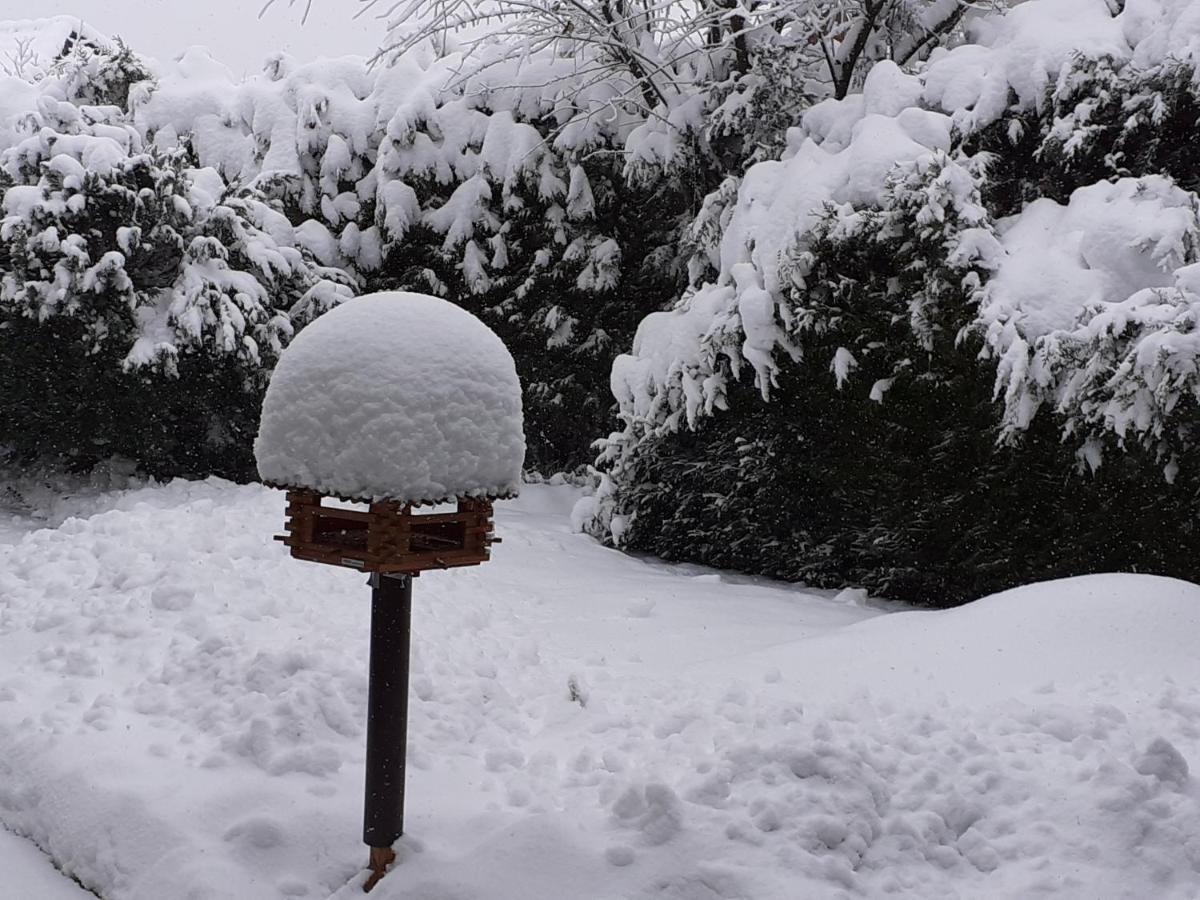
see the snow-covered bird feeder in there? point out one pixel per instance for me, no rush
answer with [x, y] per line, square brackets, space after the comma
[397, 401]
[401, 401]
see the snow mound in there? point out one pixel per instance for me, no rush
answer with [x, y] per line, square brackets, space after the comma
[394, 395]
[1069, 631]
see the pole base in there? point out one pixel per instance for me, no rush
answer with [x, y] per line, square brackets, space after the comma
[381, 858]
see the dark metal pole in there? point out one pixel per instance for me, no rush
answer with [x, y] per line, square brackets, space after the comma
[387, 718]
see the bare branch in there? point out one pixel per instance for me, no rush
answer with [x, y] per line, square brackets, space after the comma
[866, 27]
[936, 33]
[303, 19]
[21, 60]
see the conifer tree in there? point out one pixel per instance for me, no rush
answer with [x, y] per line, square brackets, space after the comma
[141, 307]
[981, 376]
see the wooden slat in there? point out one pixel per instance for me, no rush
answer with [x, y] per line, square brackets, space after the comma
[436, 518]
[395, 536]
[346, 515]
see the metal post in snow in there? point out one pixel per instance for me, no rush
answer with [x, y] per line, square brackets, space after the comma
[387, 719]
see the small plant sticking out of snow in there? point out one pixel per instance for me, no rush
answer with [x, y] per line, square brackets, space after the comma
[577, 690]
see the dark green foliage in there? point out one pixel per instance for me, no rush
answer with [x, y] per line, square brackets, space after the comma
[69, 317]
[889, 474]
[1106, 121]
[563, 314]
[1102, 120]
[912, 500]
[75, 408]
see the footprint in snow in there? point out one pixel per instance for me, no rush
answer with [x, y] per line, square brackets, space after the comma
[259, 832]
[640, 609]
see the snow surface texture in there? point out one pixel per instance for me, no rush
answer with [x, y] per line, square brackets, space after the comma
[182, 707]
[394, 396]
[28, 874]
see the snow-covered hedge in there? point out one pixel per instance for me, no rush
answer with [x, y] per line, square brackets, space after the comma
[141, 303]
[1016, 221]
[538, 169]
[495, 192]
[846, 151]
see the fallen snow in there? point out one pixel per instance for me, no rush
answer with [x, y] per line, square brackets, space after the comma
[181, 710]
[394, 395]
[29, 874]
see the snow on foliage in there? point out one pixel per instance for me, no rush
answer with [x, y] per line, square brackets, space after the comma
[967, 287]
[347, 144]
[1087, 303]
[546, 189]
[29, 48]
[188, 272]
[1064, 276]
[141, 276]
[676, 364]
[534, 167]
[394, 396]
[415, 176]
[539, 171]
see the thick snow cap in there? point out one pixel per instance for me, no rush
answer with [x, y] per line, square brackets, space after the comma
[394, 396]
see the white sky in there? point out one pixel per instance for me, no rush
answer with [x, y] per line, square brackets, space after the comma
[231, 29]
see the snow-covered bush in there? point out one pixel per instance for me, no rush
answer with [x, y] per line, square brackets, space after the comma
[541, 177]
[141, 307]
[89, 75]
[410, 180]
[913, 335]
[539, 170]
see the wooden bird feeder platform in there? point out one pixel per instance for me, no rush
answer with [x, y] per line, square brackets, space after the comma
[388, 538]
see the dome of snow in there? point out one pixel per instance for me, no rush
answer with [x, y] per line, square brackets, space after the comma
[395, 396]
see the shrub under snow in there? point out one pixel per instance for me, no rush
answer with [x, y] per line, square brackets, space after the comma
[955, 291]
[141, 304]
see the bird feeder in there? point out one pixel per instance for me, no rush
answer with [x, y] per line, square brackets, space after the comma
[407, 408]
[388, 538]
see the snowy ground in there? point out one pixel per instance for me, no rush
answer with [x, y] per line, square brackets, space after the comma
[181, 709]
[30, 875]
